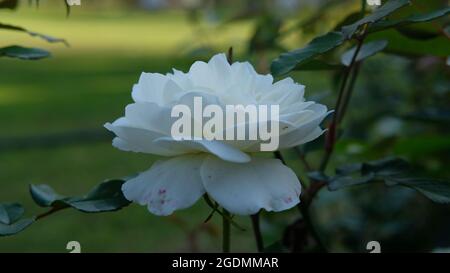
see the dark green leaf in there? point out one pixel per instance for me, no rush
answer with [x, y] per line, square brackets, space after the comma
[346, 181]
[288, 61]
[49, 39]
[24, 53]
[380, 13]
[10, 222]
[436, 190]
[6, 230]
[44, 195]
[390, 166]
[417, 34]
[416, 18]
[318, 176]
[393, 171]
[10, 213]
[317, 65]
[402, 45]
[107, 196]
[349, 169]
[367, 50]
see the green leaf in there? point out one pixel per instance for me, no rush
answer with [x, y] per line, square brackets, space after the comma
[107, 196]
[6, 230]
[416, 18]
[380, 13]
[24, 53]
[10, 213]
[44, 195]
[402, 45]
[318, 176]
[288, 61]
[436, 190]
[47, 38]
[349, 169]
[317, 65]
[367, 50]
[346, 181]
[389, 166]
[417, 34]
[393, 171]
[10, 222]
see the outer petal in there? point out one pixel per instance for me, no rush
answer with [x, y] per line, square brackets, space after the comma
[313, 135]
[168, 185]
[246, 188]
[307, 130]
[149, 86]
[130, 138]
[150, 116]
[156, 88]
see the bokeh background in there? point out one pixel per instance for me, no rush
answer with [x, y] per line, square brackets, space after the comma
[52, 113]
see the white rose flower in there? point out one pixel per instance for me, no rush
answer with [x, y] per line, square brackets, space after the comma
[224, 169]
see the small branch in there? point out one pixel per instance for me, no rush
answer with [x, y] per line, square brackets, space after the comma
[302, 157]
[257, 232]
[304, 210]
[349, 93]
[305, 162]
[342, 99]
[225, 231]
[308, 195]
[306, 199]
[50, 212]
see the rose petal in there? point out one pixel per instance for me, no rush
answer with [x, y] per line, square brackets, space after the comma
[247, 187]
[168, 185]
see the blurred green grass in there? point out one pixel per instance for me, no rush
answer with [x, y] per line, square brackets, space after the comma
[82, 87]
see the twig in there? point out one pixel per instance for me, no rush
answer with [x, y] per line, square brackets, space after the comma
[342, 99]
[50, 212]
[225, 231]
[257, 232]
[309, 224]
[348, 95]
